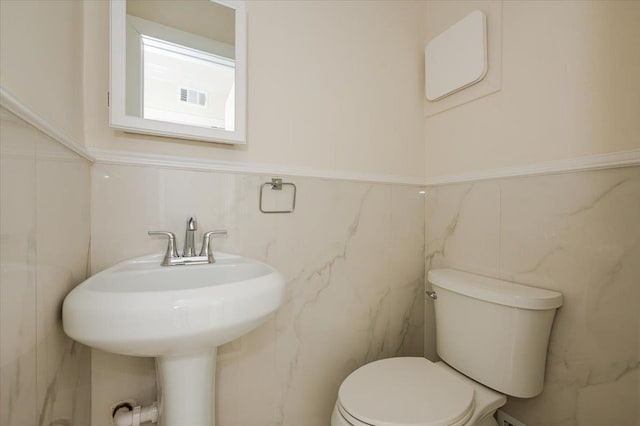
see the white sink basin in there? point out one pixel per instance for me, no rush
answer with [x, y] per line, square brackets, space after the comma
[140, 308]
[177, 314]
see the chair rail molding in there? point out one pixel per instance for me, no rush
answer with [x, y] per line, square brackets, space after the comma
[108, 156]
[14, 105]
[568, 165]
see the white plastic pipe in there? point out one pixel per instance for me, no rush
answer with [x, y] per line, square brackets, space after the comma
[126, 417]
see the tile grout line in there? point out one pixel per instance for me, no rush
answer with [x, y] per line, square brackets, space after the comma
[500, 230]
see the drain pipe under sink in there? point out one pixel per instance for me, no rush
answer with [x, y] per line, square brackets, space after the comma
[127, 416]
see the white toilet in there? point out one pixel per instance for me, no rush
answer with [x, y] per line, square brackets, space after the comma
[493, 336]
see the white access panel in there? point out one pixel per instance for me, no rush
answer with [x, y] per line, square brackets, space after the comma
[457, 58]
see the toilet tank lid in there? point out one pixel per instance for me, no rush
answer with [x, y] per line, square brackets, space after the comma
[495, 291]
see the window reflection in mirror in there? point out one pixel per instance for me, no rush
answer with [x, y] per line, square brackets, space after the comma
[180, 64]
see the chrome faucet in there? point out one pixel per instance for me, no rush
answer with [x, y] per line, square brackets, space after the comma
[189, 257]
[189, 238]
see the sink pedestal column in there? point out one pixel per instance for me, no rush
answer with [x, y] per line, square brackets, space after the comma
[186, 389]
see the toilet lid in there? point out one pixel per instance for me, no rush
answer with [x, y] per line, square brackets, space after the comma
[406, 391]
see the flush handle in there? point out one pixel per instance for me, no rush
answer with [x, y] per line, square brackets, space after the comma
[432, 294]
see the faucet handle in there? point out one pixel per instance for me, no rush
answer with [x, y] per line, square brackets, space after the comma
[172, 251]
[206, 242]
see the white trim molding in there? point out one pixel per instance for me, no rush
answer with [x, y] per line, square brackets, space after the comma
[593, 162]
[108, 156]
[577, 164]
[17, 107]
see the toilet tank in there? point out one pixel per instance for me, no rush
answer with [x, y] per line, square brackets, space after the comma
[495, 332]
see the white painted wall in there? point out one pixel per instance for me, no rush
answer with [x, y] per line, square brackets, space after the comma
[570, 87]
[332, 85]
[338, 85]
[41, 59]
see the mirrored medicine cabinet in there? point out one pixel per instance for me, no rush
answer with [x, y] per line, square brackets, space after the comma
[178, 69]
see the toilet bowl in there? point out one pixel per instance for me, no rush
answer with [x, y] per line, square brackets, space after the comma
[412, 391]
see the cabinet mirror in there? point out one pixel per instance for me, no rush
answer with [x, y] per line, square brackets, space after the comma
[178, 69]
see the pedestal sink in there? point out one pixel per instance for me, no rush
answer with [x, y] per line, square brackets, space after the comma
[179, 315]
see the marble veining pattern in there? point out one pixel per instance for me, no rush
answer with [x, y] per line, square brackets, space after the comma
[352, 255]
[578, 233]
[44, 241]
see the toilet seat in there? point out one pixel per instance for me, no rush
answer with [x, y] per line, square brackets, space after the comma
[405, 391]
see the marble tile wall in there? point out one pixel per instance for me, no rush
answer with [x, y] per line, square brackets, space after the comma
[353, 255]
[577, 233]
[353, 258]
[44, 249]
